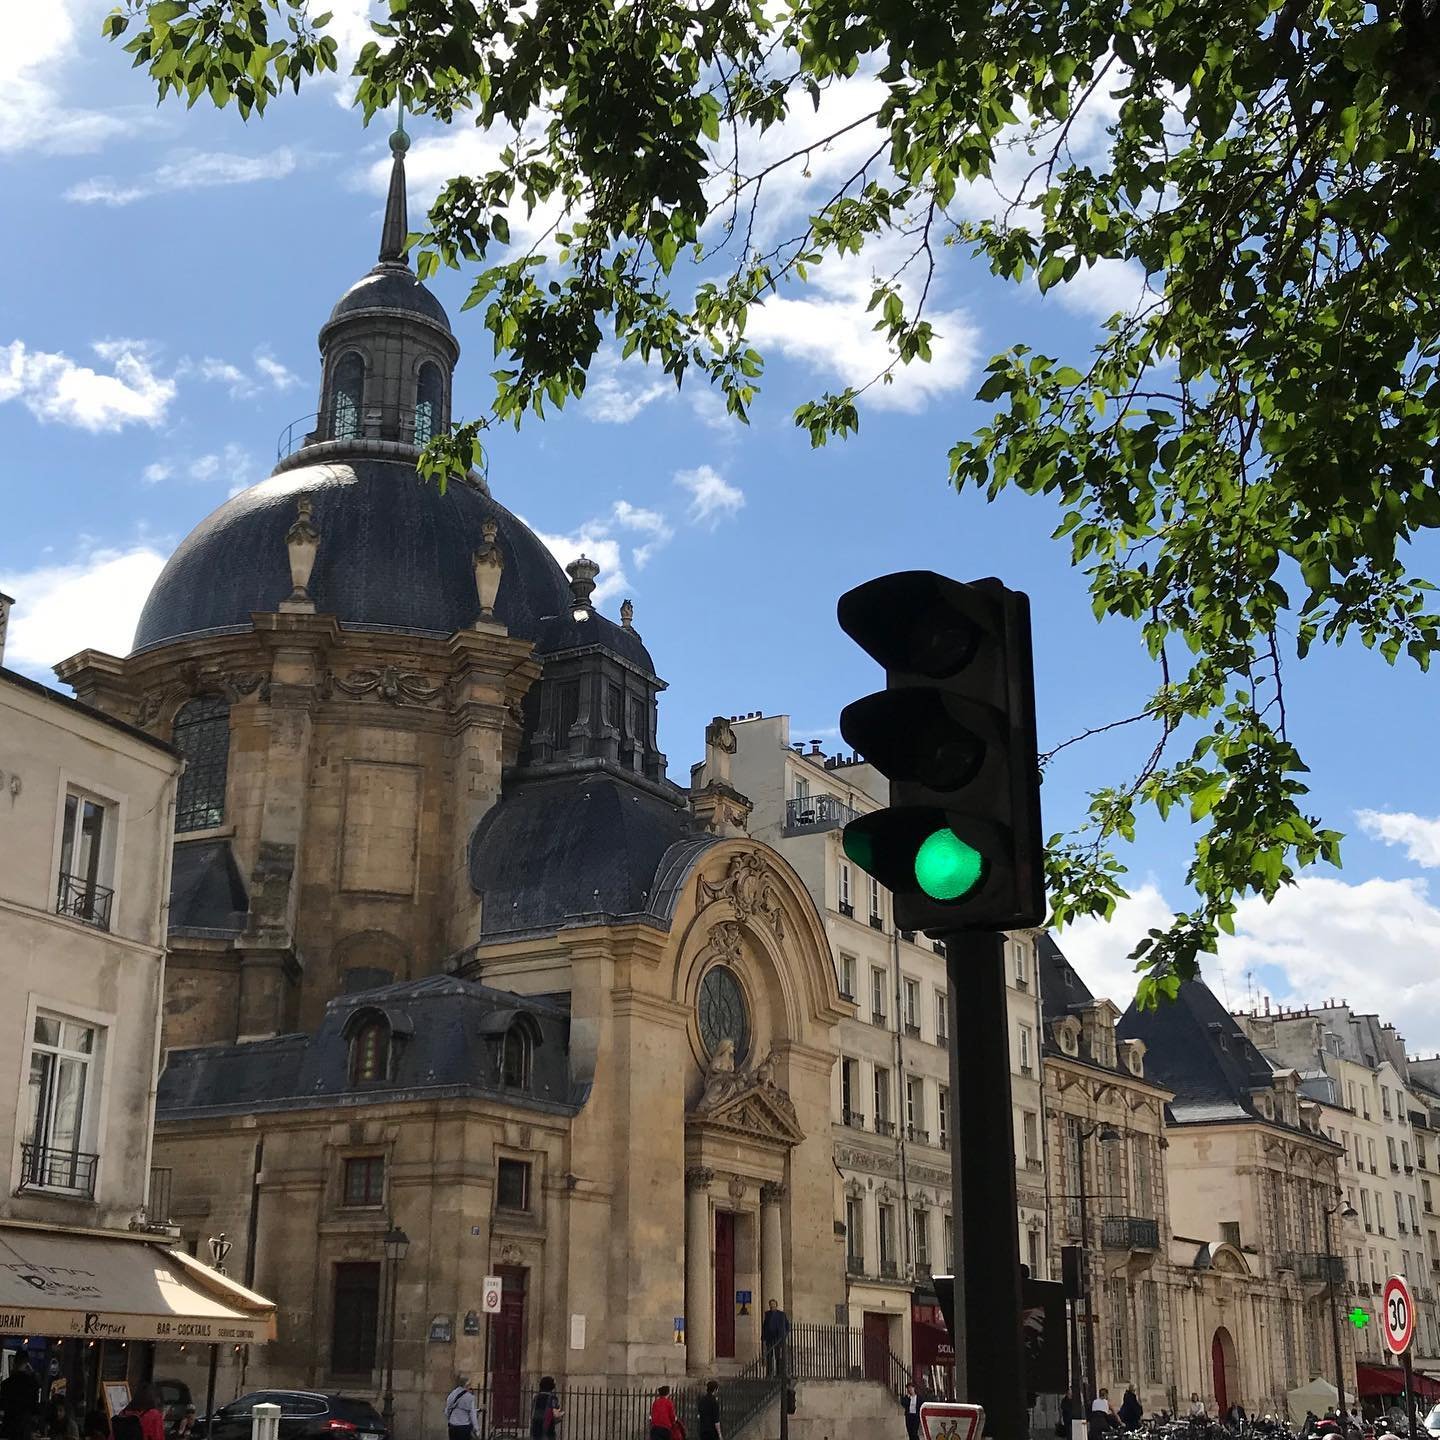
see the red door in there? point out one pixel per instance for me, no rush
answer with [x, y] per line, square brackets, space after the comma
[724, 1285]
[1217, 1363]
[507, 1347]
[876, 1339]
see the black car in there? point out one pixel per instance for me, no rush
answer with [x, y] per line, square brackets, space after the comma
[304, 1415]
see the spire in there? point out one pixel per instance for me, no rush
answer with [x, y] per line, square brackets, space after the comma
[397, 225]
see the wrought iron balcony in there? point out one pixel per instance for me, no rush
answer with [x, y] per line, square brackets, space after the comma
[1313, 1269]
[1129, 1232]
[917, 1134]
[854, 1120]
[82, 899]
[884, 1126]
[817, 812]
[47, 1167]
[889, 1270]
[403, 424]
[912, 1029]
[854, 1264]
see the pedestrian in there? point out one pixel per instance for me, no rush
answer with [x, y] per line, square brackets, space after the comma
[1067, 1415]
[1102, 1416]
[140, 1419]
[1197, 1407]
[664, 1422]
[1235, 1415]
[59, 1422]
[462, 1417]
[911, 1403]
[1131, 1410]
[545, 1413]
[20, 1399]
[774, 1332]
[708, 1411]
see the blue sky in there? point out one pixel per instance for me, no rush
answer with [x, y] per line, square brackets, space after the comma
[166, 277]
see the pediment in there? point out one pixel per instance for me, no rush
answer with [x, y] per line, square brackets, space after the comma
[761, 1112]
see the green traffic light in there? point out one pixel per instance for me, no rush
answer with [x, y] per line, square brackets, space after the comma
[946, 867]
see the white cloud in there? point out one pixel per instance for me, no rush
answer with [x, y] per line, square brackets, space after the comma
[592, 540]
[187, 170]
[1374, 943]
[712, 497]
[279, 376]
[37, 43]
[52, 387]
[616, 391]
[1419, 836]
[646, 522]
[157, 472]
[90, 602]
[708, 405]
[271, 374]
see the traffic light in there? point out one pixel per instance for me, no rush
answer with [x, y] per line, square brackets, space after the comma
[959, 847]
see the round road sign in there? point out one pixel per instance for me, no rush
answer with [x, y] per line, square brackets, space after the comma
[1397, 1312]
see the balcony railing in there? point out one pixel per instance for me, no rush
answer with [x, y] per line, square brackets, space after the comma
[817, 812]
[854, 1119]
[917, 1134]
[1129, 1232]
[854, 1264]
[403, 424]
[889, 1270]
[912, 1029]
[46, 1167]
[883, 1126]
[1324, 1269]
[847, 909]
[908, 935]
[82, 899]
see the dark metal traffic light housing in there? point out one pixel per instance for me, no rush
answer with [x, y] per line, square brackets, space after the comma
[960, 846]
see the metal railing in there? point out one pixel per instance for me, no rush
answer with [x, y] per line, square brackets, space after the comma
[1129, 1232]
[817, 812]
[47, 1167]
[854, 1119]
[884, 1126]
[82, 899]
[404, 424]
[836, 1352]
[1327, 1269]
[917, 1133]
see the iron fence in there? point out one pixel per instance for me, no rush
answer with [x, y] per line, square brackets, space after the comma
[837, 1352]
[50, 1167]
[817, 812]
[83, 899]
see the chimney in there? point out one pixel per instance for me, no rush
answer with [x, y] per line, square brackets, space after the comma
[815, 747]
[5, 603]
[1267, 1004]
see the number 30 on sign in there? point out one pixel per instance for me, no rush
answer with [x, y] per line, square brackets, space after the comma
[1398, 1311]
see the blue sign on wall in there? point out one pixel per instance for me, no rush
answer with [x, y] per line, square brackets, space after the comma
[742, 1301]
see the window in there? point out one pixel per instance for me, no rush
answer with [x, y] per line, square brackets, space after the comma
[849, 1092]
[355, 1318]
[370, 1052]
[1359, 1157]
[1405, 1154]
[1370, 1150]
[802, 788]
[347, 393]
[512, 1184]
[515, 1058]
[1414, 1216]
[1365, 1102]
[1019, 962]
[87, 860]
[1350, 1093]
[847, 906]
[874, 902]
[877, 995]
[921, 1238]
[882, 1100]
[1425, 1195]
[56, 1154]
[887, 1240]
[1030, 1129]
[365, 1180]
[942, 1116]
[429, 396]
[942, 1018]
[855, 1233]
[1390, 1149]
[947, 1234]
[847, 976]
[1230, 1232]
[1385, 1101]
[1032, 1238]
[1365, 1207]
[1150, 1309]
[202, 735]
[1399, 1212]
[1144, 1199]
[915, 1108]
[722, 1013]
[910, 989]
[1026, 1042]
[1117, 1303]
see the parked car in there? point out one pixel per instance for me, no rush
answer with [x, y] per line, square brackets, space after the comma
[1432, 1421]
[304, 1415]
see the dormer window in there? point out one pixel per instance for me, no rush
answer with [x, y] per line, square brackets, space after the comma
[515, 1058]
[370, 1051]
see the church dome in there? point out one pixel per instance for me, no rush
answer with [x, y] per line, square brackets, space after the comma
[390, 287]
[394, 552]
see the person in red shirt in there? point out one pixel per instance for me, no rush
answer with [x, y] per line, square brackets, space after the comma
[141, 1415]
[664, 1423]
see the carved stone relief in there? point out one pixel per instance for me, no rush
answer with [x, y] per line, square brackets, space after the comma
[389, 683]
[748, 887]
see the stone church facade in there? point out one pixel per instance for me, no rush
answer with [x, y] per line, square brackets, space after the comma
[449, 952]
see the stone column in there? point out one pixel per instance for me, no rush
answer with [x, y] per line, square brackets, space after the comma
[772, 1259]
[699, 1301]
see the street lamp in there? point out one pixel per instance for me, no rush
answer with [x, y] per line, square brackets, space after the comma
[1108, 1135]
[396, 1243]
[1346, 1211]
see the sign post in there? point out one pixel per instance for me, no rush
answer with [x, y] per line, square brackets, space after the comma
[491, 1293]
[1398, 1326]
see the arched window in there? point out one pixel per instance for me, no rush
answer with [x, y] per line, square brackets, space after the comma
[202, 736]
[515, 1058]
[347, 390]
[370, 1052]
[428, 397]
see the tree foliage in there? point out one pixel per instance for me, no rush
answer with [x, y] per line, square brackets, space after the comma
[1250, 449]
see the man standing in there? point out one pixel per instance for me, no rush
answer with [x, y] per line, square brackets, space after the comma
[20, 1399]
[462, 1419]
[912, 1412]
[774, 1332]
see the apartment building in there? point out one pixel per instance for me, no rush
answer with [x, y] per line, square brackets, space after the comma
[891, 1085]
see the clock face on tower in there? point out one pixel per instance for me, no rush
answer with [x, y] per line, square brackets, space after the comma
[722, 1012]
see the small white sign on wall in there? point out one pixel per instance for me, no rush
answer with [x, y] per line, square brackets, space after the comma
[577, 1332]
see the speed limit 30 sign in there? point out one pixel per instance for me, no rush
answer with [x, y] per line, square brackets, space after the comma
[1398, 1315]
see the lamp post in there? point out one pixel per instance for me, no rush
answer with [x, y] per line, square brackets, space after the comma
[396, 1242]
[1346, 1211]
[1108, 1134]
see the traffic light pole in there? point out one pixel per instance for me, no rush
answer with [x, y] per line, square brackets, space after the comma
[987, 1239]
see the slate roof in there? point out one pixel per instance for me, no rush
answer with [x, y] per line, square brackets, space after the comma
[1195, 1047]
[1060, 984]
[390, 286]
[207, 891]
[444, 1039]
[563, 850]
[394, 553]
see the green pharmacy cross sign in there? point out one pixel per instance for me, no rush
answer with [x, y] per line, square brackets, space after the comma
[1359, 1318]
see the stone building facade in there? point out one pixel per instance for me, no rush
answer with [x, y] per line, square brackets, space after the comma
[450, 953]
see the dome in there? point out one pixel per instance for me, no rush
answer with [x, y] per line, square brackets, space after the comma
[393, 552]
[390, 286]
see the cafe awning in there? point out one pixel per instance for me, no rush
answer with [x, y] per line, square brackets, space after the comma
[108, 1286]
[1377, 1380]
